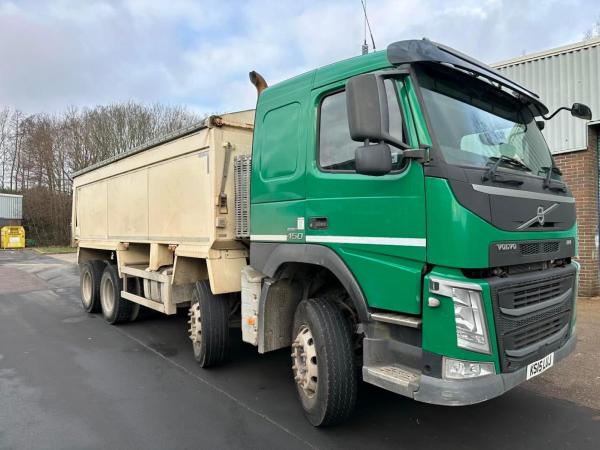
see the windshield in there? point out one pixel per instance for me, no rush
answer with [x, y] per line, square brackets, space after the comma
[475, 125]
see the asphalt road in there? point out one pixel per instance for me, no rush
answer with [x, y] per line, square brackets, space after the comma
[69, 380]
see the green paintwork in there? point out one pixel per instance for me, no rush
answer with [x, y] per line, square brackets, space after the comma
[406, 104]
[364, 206]
[342, 70]
[287, 185]
[456, 237]
[419, 123]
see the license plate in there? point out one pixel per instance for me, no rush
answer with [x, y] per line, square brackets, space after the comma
[539, 366]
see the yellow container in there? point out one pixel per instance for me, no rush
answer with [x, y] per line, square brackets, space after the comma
[12, 237]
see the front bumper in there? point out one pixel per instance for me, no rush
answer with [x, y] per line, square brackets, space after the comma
[467, 392]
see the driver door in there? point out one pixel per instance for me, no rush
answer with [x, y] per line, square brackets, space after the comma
[375, 224]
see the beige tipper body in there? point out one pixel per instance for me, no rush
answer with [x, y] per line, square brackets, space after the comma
[166, 212]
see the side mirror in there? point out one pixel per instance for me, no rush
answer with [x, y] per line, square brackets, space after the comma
[581, 111]
[375, 160]
[540, 124]
[368, 114]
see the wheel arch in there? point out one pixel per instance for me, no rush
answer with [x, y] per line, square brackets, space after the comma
[85, 254]
[271, 258]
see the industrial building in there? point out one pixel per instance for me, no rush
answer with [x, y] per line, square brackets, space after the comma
[12, 234]
[561, 77]
[11, 209]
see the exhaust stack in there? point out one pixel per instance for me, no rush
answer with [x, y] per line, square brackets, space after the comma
[258, 81]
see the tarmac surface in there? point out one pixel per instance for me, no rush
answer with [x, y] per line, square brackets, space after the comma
[68, 380]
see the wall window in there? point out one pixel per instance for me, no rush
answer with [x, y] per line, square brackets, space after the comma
[336, 147]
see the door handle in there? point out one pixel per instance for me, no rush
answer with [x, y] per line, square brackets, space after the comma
[318, 223]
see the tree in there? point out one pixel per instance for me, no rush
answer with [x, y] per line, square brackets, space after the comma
[40, 152]
[4, 132]
[594, 31]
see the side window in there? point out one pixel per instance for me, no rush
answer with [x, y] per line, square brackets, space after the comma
[336, 148]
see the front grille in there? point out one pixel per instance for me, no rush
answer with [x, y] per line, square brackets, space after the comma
[532, 315]
[533, 293]
[537, 331]
[535, 248]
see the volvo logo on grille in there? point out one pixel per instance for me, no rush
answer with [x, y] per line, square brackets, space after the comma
[505, 247]
[540, 217]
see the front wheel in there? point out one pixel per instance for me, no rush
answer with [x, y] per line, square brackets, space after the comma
[323, 362]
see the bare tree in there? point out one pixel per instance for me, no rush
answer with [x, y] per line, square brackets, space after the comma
[4, 132]
[40, 152]
[593, 31]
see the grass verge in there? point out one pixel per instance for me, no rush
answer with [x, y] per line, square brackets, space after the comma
[54, 250]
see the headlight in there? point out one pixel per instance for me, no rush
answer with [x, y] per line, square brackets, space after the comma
[455, 369]
[469, 315]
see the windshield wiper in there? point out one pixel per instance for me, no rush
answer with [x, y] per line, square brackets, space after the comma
[491, 173]
[549, 183]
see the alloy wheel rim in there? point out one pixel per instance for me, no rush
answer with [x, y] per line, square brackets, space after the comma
[304, 361]
[195, 323]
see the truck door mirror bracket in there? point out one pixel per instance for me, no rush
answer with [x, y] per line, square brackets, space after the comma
[421, 153]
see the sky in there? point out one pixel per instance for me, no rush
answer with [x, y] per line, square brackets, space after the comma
[60, 53]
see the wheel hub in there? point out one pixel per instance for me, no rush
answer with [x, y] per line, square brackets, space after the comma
[107, 296]
[195, 324]
[304, 361]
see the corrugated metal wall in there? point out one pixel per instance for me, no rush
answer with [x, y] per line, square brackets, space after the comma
[11, 206]
[562, 77]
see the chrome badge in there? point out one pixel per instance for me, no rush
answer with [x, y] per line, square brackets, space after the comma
[540, 216]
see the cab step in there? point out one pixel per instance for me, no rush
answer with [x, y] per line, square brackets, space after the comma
[396, 378]
[397, 319]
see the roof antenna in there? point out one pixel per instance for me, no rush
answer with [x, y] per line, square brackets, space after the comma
[365, 46]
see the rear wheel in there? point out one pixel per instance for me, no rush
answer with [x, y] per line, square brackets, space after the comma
[323, 362]
[134, 285]
[209, 325]
[114, 308]
[89, 282]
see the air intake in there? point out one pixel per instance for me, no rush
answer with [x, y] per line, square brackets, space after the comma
[242, 168]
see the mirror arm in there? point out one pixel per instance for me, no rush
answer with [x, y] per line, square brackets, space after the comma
[562, 108]
[395, 142]
[421, 153]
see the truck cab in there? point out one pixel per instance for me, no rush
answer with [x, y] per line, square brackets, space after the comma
[412, 188]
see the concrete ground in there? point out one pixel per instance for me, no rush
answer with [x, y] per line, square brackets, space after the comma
[69, 380]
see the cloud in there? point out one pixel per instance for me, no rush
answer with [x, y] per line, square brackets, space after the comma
[58, 53]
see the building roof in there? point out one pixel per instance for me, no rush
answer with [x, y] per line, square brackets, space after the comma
[548, 53]
[561, 76]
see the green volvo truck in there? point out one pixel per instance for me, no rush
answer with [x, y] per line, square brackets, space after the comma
[395, 218]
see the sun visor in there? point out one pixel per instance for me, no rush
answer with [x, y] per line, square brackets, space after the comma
[414, 51]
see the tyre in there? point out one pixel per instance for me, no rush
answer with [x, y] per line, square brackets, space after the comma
[114, 308]
[323, 362]
[90, 274]
[134, 285]
[209, 325]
